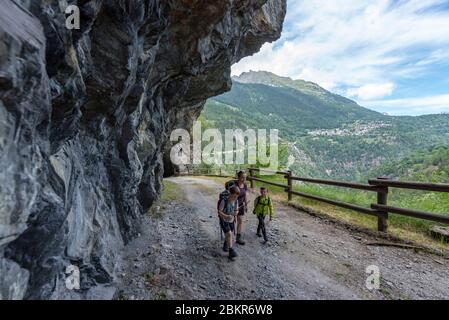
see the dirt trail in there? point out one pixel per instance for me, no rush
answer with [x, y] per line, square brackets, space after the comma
[179, 256]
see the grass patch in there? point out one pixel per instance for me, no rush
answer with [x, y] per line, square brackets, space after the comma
[161, 295]
[407, 228]
[151, 279]
[171, 192]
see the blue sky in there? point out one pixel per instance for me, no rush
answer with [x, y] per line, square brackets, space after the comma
[388, 55]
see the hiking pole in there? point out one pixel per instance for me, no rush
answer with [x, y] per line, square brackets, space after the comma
[235, 227]
[236, 221]
[220, 230]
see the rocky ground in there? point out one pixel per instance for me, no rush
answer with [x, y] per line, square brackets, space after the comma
[178, 256]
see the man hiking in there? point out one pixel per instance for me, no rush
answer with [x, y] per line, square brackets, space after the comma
[227, 212]
[263, 204]
[243, 205]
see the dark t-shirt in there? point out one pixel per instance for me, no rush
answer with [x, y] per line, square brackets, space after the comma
[241, 197]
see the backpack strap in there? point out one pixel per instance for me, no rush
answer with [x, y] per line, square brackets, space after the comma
[264, 205]
[225, 200]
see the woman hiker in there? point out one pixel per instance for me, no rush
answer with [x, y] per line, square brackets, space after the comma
[243, 205]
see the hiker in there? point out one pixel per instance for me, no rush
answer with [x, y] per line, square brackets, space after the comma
[243, 205]
[227, 212]
[262, 204]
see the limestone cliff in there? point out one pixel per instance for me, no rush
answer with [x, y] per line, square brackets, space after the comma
[85, 116]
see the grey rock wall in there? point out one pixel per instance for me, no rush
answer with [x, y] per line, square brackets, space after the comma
[85, 117]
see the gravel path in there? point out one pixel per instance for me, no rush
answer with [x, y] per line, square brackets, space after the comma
[179, 256]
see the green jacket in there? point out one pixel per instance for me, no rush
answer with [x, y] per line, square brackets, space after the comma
[262, 205]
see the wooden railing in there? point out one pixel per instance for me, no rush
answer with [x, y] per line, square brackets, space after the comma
[204, 172]
[381, 186]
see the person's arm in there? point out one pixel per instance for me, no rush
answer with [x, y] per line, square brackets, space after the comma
[236, 207]
[246, 199]
[221, 214]
[271, 209]
[255, 204]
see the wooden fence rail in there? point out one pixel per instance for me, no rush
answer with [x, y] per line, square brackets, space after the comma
[381, 186]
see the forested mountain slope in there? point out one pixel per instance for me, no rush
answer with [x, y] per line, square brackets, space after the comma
[328, 135]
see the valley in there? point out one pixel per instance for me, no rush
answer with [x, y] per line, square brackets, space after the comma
[327, 135]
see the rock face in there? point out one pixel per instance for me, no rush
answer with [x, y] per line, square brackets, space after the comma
[85, 117]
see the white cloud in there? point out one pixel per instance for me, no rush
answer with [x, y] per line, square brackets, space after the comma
[371, 91]
[412, 106]
[435, 57]
[366, 46]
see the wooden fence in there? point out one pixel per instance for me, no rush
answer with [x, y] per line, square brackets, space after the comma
[380, 185]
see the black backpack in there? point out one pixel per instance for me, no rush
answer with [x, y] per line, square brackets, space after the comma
[223, 196]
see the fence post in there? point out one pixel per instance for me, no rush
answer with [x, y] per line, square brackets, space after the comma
[382, 199]
[251, 178]
[290, 184]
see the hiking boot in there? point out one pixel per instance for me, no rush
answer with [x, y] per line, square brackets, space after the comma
[259, 235]
[239, 240]
[232, 253]
[225, 246]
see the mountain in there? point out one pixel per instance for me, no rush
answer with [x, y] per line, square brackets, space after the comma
[291, 106]
[431, 164]
[329, 135]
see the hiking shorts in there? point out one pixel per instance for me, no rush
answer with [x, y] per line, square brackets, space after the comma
[227, 226]
[242, 211]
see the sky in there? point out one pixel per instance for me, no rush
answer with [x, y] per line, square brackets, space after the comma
[388, 55]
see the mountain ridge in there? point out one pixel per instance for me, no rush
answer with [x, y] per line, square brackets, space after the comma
[306, 87]
[330, 136]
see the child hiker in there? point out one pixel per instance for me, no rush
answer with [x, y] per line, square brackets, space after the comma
[262, 204]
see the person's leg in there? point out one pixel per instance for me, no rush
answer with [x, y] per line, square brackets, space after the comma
[264, 230]
[225, 245]
[228, 237]
[232, 253]
[224, 230]
[228, 229]
[240, 226]
[259, 227]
